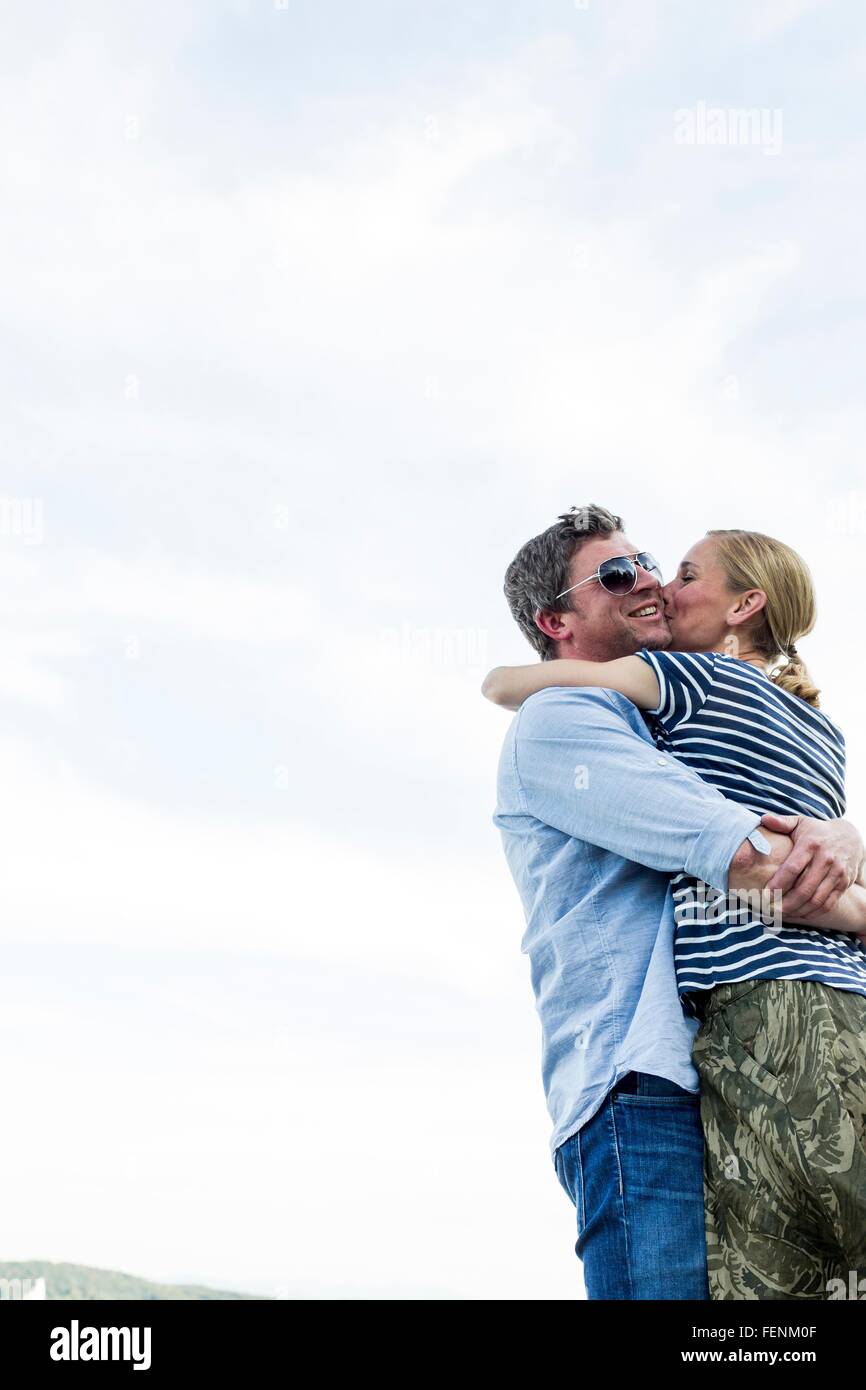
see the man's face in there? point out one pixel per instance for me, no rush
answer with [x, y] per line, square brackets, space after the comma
[601, 626]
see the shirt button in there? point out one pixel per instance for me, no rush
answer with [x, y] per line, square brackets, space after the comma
[662, 762]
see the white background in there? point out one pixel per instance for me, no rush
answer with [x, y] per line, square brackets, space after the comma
[313, 313]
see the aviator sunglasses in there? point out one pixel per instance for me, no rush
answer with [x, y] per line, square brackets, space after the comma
[619, 574]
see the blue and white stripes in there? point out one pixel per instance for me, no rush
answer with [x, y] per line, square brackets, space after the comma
[769, 751]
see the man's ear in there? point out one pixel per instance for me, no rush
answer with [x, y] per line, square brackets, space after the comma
[553, 625]
[747, 606]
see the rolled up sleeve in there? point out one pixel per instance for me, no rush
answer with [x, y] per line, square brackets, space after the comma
[584, 766]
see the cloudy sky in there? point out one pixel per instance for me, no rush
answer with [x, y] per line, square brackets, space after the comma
[313, 312]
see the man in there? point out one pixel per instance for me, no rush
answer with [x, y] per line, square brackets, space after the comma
[594, 820]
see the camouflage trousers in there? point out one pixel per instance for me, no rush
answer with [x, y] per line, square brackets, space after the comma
[783, 1105]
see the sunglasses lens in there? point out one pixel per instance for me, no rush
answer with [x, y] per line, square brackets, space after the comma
[649, 562]
[617, 576]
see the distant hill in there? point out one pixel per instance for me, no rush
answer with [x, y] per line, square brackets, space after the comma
[81, 1282]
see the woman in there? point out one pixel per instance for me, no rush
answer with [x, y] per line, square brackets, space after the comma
[781, 1049]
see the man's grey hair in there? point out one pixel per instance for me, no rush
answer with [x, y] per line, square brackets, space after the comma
[541, 569]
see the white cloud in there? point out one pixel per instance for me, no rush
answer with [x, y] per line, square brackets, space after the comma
[153, 589]
[772, 17]
[91, 867]
[413, 319]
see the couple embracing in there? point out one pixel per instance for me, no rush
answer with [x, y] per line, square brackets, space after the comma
[668, 776]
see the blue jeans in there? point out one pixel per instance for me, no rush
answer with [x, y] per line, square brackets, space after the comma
[634, 1173]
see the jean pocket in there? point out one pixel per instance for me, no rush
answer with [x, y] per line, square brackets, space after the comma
[686, 1100]
[580, 1204]
[560, 1166]
[645, 1088]
[739, 1036]
[569, 1171]
[756, 1072]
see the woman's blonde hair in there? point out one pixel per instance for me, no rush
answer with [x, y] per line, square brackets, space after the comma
[751, 560]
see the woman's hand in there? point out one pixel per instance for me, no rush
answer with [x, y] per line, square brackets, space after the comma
[825, 862]
[849, 914]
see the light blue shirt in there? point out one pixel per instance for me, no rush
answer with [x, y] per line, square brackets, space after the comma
[594, 820]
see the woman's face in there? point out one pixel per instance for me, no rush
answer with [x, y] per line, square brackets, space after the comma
[698, 601]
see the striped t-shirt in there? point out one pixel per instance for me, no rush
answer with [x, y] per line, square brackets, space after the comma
[770, 751]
